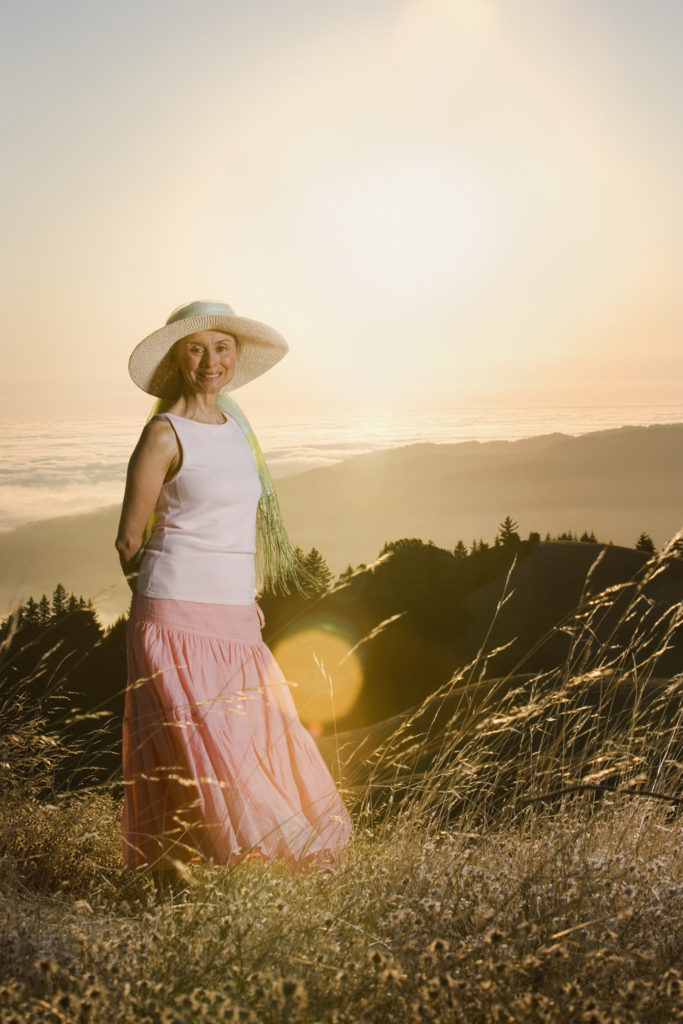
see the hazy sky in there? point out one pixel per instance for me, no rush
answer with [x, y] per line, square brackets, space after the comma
[475, 200]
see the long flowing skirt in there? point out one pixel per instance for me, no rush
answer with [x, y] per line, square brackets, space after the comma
[216, 764]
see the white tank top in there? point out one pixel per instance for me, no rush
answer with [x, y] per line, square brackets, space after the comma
[204, 538]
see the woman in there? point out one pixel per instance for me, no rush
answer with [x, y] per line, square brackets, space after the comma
[217, 765]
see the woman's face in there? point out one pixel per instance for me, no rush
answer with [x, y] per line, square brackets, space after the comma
[207, 361]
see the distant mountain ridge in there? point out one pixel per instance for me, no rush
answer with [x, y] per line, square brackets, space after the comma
[616, 482]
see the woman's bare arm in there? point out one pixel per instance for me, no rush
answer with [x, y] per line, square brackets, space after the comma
[155, 455]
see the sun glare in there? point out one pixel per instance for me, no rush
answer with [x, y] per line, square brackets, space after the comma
[325, 675]
[411, 229]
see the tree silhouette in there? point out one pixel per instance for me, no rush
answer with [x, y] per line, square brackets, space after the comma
[508, 534]
[460, 550]
[59, 602]
[404, 544]
[645, 543]
[44, 611]
[29, 614]
[588, 538]
[319, 570]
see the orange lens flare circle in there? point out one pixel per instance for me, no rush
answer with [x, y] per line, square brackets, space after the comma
[325, 676]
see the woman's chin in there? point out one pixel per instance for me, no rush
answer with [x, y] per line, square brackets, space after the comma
[210, 387]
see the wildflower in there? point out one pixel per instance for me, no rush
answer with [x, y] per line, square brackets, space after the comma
[240, 1015]
[46, 966]
[390, 974]
[672, 984]
[292, 991]
[94, 992]
[67, 1002]
[632, 991]
[171, 1017]
[377, 958]
[592, 1013]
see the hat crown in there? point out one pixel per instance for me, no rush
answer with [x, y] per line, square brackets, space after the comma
[200, 308]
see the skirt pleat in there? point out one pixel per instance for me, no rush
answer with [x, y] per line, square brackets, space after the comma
[216, 763]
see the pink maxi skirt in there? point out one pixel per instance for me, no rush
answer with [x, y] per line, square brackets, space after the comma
[216, 764]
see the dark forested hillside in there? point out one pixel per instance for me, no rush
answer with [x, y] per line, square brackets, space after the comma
[55, 650]
[446, 603]
[416, 616]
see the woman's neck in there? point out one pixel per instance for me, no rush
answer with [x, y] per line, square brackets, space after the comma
[202, 408]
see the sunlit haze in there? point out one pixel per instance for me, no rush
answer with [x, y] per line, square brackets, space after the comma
[458, 201]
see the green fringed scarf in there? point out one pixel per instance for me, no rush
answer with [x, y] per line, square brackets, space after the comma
[278, 564]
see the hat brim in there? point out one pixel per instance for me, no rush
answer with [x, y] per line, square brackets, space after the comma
[260, 348]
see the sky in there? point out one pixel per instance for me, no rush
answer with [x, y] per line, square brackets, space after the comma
[452, 201]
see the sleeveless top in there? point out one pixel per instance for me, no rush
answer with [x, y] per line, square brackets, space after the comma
[204, 537]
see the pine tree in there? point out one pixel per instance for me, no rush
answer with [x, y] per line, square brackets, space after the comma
[588, 538]
[318, 568]
[507, 532]
[645, 543]
[30, 613]
[44, 612]
[460, 551]
[59, 602]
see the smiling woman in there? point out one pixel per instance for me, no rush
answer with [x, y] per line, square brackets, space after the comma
[217, 765]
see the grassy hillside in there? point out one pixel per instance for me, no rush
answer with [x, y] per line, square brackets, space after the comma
[385, 638]
[516, 857]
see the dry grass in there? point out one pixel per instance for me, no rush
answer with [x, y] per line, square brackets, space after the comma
[516, 858]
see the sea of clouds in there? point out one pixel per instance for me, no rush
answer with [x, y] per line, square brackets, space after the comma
[62, 468]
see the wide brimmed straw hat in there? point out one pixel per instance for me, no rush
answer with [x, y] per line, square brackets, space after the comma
[260, 347]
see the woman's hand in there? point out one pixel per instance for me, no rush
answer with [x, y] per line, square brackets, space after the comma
[261, 616]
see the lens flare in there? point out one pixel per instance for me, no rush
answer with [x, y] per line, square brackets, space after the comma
[324, 671]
